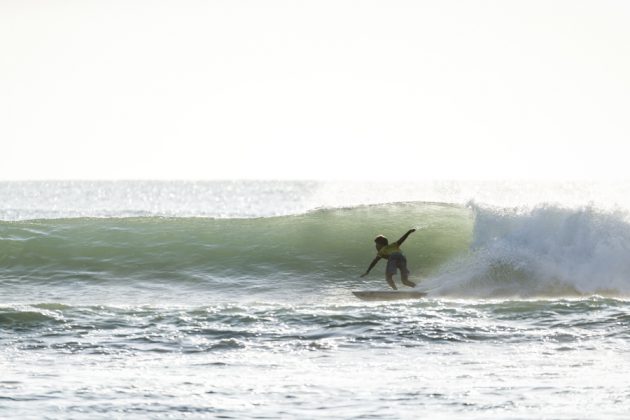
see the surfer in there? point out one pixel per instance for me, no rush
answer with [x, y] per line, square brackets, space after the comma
[395, 260]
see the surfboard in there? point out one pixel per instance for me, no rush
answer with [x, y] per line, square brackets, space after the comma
[387, 295]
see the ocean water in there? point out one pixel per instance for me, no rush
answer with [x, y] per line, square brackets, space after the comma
[233, 300]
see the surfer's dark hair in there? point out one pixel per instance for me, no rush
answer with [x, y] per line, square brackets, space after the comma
[381, 240]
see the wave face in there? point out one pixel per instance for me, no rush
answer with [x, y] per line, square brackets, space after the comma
[458, 251]
[328, 247]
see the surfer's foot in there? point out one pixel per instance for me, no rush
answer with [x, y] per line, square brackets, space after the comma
[409, 283]
[390, 281]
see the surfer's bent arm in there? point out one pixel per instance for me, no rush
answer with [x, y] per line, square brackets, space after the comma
[372, 264]
[402, 239]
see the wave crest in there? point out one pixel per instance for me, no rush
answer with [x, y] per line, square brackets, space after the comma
[545, 251]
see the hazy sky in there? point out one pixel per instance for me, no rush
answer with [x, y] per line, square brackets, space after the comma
[314, 89]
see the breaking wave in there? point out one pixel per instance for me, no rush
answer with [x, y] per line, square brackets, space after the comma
[458, 251]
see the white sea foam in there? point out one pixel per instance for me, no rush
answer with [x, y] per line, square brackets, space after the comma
[546, 250]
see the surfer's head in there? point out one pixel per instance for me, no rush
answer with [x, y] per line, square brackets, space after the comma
[380, 241]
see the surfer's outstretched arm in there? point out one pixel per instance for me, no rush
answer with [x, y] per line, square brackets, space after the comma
[372, 264]
[402, 239]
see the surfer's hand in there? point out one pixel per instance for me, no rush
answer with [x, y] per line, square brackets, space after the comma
[364, 274]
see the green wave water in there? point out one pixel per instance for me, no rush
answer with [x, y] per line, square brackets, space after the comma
[461, 251]
[324, 244]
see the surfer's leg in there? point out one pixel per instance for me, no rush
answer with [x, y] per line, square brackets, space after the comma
[404, 272]
[389, 273]
[405, 280]
[390, 281]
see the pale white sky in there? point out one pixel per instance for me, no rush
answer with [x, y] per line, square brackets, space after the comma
[389, 89]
